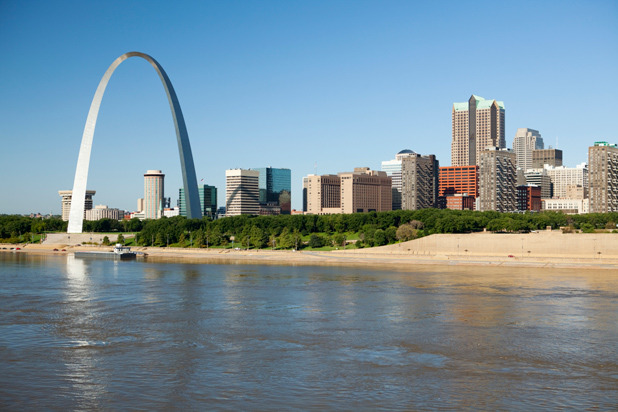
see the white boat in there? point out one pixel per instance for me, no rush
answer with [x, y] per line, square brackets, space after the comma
[124, 252]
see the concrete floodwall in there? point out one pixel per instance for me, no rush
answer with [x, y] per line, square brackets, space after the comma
[546, 244]
[81, 238]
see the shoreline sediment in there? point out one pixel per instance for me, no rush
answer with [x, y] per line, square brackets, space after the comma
[535, 250]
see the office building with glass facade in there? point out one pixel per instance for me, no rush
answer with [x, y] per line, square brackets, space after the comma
[208, 200]
[275, 189]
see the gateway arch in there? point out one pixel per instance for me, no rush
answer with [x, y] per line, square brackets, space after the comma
[76, 215]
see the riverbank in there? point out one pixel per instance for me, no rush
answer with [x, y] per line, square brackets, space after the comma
[547, 249]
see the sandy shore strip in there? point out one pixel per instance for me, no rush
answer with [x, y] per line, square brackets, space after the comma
[397, 256]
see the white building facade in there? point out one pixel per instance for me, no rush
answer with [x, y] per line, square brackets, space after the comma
[103, 212]
[568, 206]
[242, 192]
[393, 170]
[154, 193]
[525, 141]
[562, 177]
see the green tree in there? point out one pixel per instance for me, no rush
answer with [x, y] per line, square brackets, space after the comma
[587, 228]
[316, 241]
[338, 239]
[159, 241]
[285, 239]
[105, 241]
[272, 241]
[199, 238]
[120, 239]
[257, 237]
[367, 233]
[391, 234]
[297, 239]
[406, 232]
[215, 236]
[379, 237]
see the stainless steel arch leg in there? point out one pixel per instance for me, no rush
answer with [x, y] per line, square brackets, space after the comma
[76, 215]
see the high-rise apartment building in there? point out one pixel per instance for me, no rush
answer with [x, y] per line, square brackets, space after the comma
[419, 182]
[477, 124]
[208, 200]
[603, 163]
[362, 190]
[242, 193]
[393, 169]
[551, 157]
[562, 177]
[67, 196]
[525, 141]
[276, 188]
[154, 193]
[497, 180]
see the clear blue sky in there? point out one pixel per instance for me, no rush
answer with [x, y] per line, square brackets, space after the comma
[286, 84]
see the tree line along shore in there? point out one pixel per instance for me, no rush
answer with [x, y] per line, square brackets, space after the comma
[317, 232]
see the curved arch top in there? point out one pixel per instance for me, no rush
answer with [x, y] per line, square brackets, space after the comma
[76, 214]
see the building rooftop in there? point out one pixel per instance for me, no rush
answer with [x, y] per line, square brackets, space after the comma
[481, 103]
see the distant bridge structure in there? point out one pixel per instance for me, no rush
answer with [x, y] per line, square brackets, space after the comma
[76, 215]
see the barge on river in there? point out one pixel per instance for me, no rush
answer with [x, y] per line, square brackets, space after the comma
[119, 253]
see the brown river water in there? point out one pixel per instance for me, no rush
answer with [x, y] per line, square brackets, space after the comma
[100, 334]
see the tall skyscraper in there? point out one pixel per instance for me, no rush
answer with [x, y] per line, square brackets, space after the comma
[552, 157]
[603, 163]
[497, 180]
[67, 196]
[419, 182]
[276, 188]
[154, 201]
[393, 169]
[525, 141]
[242, 193]
[208, 200]
[477, 124]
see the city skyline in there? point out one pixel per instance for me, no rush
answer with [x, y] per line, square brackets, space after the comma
[287, 85]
